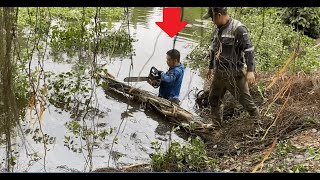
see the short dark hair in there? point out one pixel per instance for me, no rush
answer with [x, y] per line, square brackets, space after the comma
[222, 10]
[174, 54]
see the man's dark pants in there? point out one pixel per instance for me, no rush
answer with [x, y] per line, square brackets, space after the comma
[235, 82]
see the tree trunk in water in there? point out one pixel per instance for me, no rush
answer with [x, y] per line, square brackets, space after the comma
[172, 112]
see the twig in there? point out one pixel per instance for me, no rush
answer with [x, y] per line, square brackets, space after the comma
[280, 73]
[282, 91]
[262, 31]
[316, 46]
[260, 165]
[279, 112]
[135, 165]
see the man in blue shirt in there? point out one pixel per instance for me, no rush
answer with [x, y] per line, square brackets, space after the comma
[172, 79]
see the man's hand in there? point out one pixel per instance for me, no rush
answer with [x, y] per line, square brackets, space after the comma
[250, 78]
[210, 74]
[159, 74]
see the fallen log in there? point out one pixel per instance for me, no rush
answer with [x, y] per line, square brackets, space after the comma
[172, 112]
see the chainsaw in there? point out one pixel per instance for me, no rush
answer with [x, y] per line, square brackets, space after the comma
[153, 79]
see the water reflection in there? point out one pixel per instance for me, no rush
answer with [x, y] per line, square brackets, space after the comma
[140, 16]
[140, 127]
[164, 126]
[144, 15]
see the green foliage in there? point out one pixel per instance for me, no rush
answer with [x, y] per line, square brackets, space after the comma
[300, 168]
[33, 31]
[75, 13]
[72, 90]
[27, 16]
[276, 44]
[13, 160]
[58, 31]
[285, 155]
[117, 44]
[65, 87]
[306, 19]
[89, 135]
[21, 89]
[68, 38]
[36, 20]
[71, 30]
[189, 157]
[314, 153]
[285, 147]
[198, 58]
[261, 87]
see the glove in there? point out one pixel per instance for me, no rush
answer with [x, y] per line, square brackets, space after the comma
[159, 74]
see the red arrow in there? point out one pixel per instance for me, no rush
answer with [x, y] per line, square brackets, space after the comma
[171, 21]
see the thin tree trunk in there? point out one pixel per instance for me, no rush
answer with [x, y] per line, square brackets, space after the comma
[10, 115]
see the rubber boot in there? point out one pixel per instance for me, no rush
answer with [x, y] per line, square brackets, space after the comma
[255, 116]
[216, 116]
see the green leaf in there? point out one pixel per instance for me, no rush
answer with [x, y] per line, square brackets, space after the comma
[317, 157]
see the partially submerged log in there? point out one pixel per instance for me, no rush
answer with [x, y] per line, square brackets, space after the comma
[169, 110]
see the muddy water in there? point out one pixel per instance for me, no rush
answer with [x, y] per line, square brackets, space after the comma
[134, 130]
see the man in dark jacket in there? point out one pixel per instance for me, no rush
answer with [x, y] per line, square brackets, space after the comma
[231, 49]
[172, 79]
